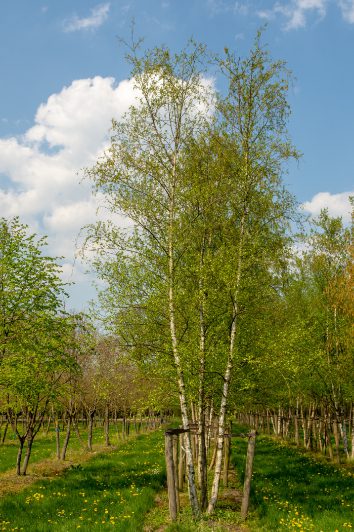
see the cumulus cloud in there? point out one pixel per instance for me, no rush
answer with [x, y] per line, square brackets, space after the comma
[97, 17]
[42, 180]
[42, 167]
[337, 204]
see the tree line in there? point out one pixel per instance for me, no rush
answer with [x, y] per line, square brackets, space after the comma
[55, 368]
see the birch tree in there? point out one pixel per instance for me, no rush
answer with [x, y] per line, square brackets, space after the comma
[142, 177]
[200, 179]
[254, 116]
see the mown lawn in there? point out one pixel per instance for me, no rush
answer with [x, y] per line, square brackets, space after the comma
[294, 491]
[114, 489]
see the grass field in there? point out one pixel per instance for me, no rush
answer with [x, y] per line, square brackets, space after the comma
[113, 489]
[44, 446]
[293, 490]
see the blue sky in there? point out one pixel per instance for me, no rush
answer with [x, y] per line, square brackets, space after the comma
[64, 77]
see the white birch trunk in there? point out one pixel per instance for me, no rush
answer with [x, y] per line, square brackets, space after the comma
[180, 376]
[227, 377]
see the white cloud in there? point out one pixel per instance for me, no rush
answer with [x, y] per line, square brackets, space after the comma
[42, 180]
[42, 167]
[296, 12]
[347, 8]
[97, 17]
[337, 204]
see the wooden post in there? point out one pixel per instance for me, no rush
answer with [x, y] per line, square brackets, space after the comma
[248, 473]
[181, 463]
[175, 467]
[170, 470]
[227, 438]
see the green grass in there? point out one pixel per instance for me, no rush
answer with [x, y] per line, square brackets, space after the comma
[291, 491]
[113, 489]
[294, 491]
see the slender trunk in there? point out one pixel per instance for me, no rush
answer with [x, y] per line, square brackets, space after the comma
[268, 424]
[171, 481]
[202, 466]
[328, 437]
[30, 439]
[336, 439]
[35, 421]
[296, 423]
[5, 432]
[48, 425]
[210, 422]
[106, 425]
[180, 376]
[77, 431]
[220, 440]
[67, 438]
[227, 376]
[304, 429]
[57, 437]
[344, 437]
[202, 457]
[90, 429]
[19, 455]
[175, 467]
[213, 458]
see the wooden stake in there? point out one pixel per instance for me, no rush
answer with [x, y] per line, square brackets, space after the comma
[226, 459]
[171, 482]
[248, 474]
[175, 467]
[181, 463]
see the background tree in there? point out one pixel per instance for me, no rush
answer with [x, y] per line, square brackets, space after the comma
[34, 331]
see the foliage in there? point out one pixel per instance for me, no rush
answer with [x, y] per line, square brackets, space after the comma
[36, 335]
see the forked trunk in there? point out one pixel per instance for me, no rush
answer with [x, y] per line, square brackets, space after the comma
[180, 376]
[220, 440]
[227, 376]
